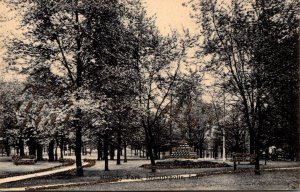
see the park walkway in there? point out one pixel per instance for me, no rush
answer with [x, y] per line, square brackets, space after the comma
[40, 174]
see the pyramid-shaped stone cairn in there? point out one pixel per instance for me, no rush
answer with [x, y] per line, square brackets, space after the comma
[184, 151]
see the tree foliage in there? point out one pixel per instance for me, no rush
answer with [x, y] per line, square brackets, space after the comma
[252, 46]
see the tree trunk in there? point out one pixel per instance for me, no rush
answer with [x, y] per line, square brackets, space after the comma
[112, 152]
[61, 146]
[78, 143]
[106, 151]
[99, 149]
[119, 142]
[39, 152]
[152, 159]
[125, 152]
[248, 114]
[70, 149]
[32, 147]
[55, 154]
[143, 148]
[156, 152]
[79, 80]
[215, 151]
[201, 151]
[170, 127]
[51, 151]
[149, 143]
[257, 146]
[257, 139]
[7, 147]
[297, 127]
[252, 138]
[21, 143]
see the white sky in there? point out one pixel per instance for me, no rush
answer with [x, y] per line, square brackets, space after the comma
[170, 15]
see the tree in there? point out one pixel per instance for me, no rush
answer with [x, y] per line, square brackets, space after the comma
[59, 38]
[112, 45]
[8, 96]
[42, 114]
[187, 97]
[154, 56]
[277, 29]
[240, 38]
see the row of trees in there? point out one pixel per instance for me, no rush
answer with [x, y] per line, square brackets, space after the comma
[103, 72]
[100, 67]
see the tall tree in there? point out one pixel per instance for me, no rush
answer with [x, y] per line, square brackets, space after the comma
[277, 29]
[112, 69]
[154, 57]
[240, 36]
[59, 38]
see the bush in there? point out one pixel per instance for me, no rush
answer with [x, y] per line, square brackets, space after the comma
[185, 164]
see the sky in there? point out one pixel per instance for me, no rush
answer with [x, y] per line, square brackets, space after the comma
[170, 15]
[8, 27]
